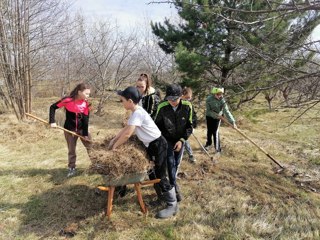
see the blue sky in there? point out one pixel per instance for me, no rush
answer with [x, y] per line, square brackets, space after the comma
[127, 13]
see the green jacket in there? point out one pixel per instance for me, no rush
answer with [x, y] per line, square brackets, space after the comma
[216, 108]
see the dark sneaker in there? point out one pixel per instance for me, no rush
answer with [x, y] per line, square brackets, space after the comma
[71, 172]
[121, 190]
[157, 202]
[178, 196]
[192, 159]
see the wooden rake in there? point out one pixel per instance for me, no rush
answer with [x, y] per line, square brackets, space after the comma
[203, 148]
[61, 128]
[250, 140]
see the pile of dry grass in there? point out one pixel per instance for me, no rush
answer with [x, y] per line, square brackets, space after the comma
[13, 130]
[129, 158]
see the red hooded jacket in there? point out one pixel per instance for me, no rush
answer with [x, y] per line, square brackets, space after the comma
[77, 114]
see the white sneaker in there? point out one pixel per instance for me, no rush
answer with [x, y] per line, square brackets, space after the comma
[192, 159]
[207, 147]
[71, 172]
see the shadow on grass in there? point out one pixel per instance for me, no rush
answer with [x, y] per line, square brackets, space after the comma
[60, 210]
[69, 209]
[258, 196]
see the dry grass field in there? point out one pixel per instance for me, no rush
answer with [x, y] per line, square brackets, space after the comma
[241, 197]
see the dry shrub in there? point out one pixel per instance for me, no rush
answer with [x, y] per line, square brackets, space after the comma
[129, 158]
[22, 132]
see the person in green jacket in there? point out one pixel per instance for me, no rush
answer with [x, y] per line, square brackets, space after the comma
[216, 107]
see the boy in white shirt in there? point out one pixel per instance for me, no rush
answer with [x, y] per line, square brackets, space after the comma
[147, 131]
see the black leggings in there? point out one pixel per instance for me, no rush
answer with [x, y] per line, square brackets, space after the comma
[213, 131]
[157, 151]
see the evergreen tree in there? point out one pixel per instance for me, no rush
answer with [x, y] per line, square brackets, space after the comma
[236, 42]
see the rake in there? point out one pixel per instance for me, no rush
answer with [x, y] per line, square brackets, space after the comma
[250, 140]
[203, 148]
[66, 130]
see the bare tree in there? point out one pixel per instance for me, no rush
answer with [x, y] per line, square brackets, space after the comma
[286, 90]
[110, 58]
[59, 66]
[153, 59]
[26, 28]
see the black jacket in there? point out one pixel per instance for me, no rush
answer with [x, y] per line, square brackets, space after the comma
[77, 114]
[175, 125]
[194, 118]
[150, 103]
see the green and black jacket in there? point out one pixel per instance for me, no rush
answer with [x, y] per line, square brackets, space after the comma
[218, 107]
[175, 125]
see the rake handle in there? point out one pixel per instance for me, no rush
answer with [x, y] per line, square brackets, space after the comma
[245, 136]
[63, 129]
[201, 145]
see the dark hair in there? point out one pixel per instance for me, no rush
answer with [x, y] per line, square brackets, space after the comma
[145, 78]
[80, 87]
[186, 90]
[131, 93]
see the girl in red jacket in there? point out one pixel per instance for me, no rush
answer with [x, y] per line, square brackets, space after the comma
[77, 120]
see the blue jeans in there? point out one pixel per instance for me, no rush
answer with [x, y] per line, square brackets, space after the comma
[173, 160]
[188, 148]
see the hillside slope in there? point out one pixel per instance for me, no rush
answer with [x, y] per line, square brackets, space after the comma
[241, 197]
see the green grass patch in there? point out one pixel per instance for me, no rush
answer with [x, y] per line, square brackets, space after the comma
[315, 160]
[254, 113]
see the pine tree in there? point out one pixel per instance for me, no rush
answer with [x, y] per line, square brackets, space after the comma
[235, 42]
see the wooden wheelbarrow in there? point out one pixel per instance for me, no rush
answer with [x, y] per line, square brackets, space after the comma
[136, 179]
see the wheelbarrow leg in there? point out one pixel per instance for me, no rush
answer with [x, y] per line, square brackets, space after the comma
[110, 200]
[137, 187]
[110, 191]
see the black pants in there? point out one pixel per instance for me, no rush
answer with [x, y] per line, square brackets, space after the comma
[157, 151]
[213, 131]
